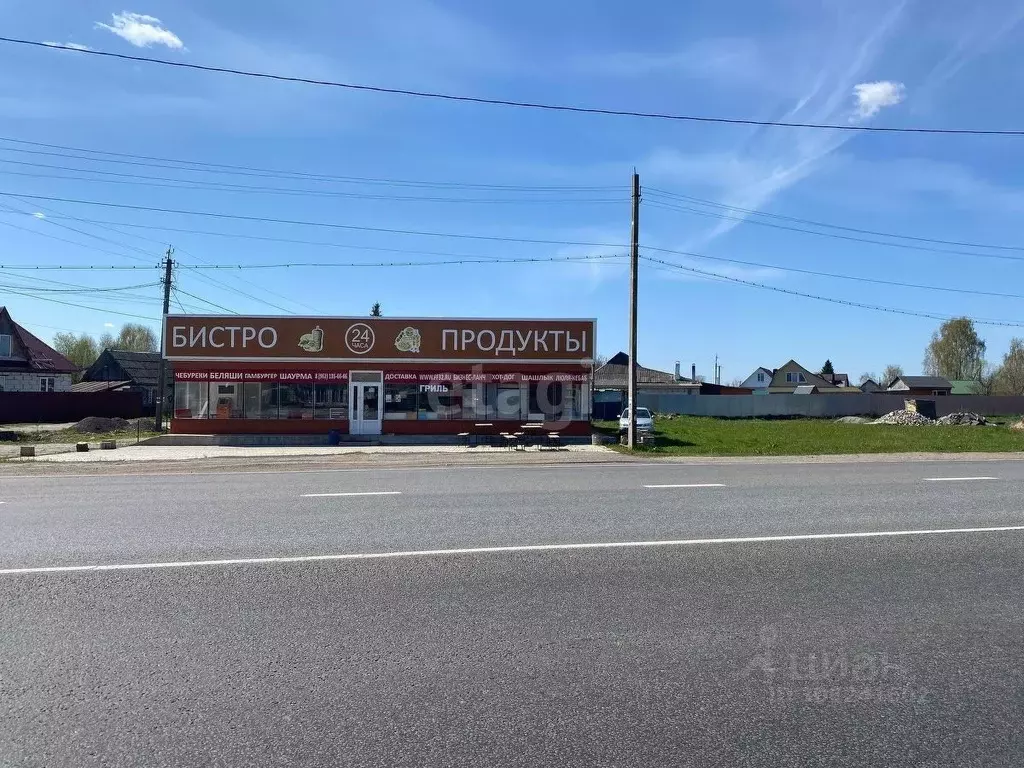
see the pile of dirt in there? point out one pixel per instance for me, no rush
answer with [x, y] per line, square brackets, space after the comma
[99, 424]
[962, 419]
[905, 418]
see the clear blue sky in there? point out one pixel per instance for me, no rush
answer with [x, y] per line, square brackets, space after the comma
[944, 63]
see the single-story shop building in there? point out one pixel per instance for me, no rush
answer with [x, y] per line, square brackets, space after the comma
[372, 375]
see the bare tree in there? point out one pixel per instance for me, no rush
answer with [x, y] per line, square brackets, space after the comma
[869, 376]
[891, 372]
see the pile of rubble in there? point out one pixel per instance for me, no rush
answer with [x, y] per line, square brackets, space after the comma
[905, 418]
[1019, 426]
[962, 419]
[100, 424]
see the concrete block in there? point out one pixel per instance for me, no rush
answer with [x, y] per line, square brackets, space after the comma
[108, 445]
[82, 447]
[28, 450]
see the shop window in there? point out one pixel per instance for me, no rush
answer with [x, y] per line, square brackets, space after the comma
[260, 400]
[439, 401]
[474, 402]
[191, 400]
[226, 400]
[331, 401]
[401, 401]
[295, 401]
[547, 401]
[508, 400]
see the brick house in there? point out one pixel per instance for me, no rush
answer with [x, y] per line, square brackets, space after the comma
[28, 364]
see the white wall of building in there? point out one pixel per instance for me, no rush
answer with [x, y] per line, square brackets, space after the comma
[29, 382]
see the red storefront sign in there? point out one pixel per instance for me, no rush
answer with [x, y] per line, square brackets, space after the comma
[390, 377]
[320, 377]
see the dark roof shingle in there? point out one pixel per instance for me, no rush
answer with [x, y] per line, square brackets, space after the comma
[925, 382]
[142, 368]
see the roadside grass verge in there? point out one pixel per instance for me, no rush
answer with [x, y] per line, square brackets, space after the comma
[72, 436]
[697, 436]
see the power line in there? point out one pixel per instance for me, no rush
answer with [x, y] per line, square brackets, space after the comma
[844, 302]
[190, 184]
[209, 280]
[753, 212]
[205, 301]
[92, 267]
[83, 306]
[265, 238]
[834, 236]
[294, 222]
[151, 161]
[511, 103]
[177, 299]
[89, 289]
[79, 231]
[356, 264]
[815, 273]
[232, 267]
[60, 239]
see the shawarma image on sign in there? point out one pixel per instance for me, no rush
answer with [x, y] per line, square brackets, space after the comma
[312, 341]
[408, 340]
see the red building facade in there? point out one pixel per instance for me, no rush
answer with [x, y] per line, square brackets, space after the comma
[373, 376]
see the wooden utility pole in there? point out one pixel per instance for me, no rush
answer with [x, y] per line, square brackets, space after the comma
[161, 391]
[634, 258]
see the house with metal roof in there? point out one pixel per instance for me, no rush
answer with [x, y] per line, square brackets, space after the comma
[28, 364]
[611, 385]
[921, 386]
[118, 369]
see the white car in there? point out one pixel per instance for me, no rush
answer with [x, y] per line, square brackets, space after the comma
[644, 421]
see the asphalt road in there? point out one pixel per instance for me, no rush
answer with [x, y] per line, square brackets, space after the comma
[752, 649]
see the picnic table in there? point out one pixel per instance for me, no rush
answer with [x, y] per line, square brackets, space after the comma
[531, 431]
[479, 431]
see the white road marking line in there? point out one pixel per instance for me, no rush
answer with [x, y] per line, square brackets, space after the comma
[352, 493]
[501, 550]
[688, 485]
[954, 479]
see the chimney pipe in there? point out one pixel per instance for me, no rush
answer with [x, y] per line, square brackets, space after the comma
[693, 371]
[677, 371]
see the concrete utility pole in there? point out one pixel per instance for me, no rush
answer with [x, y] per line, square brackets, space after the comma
[634, 258]
[162, 387]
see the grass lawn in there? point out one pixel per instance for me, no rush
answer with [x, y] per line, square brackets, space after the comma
[125, 436]
[695, 436]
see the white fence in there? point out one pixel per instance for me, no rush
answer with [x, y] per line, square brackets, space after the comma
[821, 406]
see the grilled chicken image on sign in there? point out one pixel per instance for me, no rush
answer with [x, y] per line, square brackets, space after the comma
[312, 341]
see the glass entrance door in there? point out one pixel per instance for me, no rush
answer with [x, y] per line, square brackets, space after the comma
[365, 405]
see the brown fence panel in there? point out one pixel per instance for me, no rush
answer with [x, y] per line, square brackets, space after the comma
[57, 407]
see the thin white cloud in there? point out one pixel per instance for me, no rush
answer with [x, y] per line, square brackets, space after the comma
[39, 215]
[140, 30]
[75, 46]
[873, 97]
[108, 325]
[769, 161]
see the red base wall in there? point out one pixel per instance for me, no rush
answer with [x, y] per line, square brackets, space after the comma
[323, 426]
